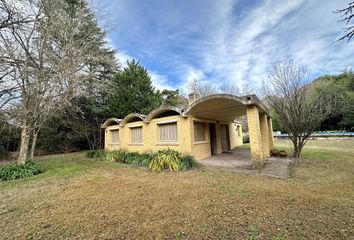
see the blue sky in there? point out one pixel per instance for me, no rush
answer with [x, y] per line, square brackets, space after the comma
[227, 41]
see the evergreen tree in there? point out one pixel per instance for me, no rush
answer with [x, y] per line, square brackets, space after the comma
[133, 92]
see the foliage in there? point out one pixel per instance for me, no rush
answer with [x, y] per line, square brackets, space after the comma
[95, 154]
[341, 88]
[9, 137]
[187, 162]
[58, 51]
[133, 92]
[128, 157]
[161, 160]
[171, 160]
[166, 159]
[301, 109]
[173, 98]
[16, 171]
[276, 121]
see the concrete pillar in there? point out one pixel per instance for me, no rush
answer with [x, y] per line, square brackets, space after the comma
[264, 134]
[254, 132]
[270, 133]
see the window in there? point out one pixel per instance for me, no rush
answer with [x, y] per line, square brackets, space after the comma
[115, 136]
[136, 134]
[168, 132]
[199, 131]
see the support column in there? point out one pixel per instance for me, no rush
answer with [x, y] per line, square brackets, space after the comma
[254, 132]
[270, 133]
[264, 134]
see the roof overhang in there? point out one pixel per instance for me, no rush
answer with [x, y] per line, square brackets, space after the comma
[224, 107]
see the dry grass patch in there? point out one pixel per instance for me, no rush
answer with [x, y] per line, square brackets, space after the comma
[78, 198]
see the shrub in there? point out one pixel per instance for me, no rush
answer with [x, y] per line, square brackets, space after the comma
[134, 158]
[187, 162]
[111, 156]
[95, 154]
[161, 160]
[16, 171]
[171, 160]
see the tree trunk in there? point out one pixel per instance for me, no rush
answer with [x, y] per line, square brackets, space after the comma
[25, 136]
[297, 151]
[34, 142]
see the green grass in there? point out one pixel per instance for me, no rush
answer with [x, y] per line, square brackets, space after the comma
[63, 166]
[81, 198]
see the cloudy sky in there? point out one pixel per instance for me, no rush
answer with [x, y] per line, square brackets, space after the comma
[227, 41]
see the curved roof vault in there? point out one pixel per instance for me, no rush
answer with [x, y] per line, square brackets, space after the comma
[156, 112]
[223, 107]
[132, 116]
[111, 121]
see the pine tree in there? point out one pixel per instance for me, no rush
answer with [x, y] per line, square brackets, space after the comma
[133, 92]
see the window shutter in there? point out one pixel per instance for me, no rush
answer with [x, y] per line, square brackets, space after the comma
[168, 132]
[136, 134]
[115, 136]
[199, 131]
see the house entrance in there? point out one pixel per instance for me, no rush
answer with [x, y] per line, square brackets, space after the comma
[212, 131]
[225, 137]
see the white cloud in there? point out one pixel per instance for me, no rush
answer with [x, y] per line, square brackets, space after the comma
[231, 41]
[159, 81]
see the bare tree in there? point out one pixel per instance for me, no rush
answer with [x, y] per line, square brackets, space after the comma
[347, 15]
[301, 107]
[200, 89]
[12, 14]
[44, 62]
[237, 89]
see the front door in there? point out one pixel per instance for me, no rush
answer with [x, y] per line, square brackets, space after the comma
[225, 144]
[212, 132]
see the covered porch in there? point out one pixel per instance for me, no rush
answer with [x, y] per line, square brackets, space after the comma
[239, 160]
[226, 108]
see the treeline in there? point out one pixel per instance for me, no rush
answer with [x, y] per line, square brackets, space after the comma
[78, 125]
[59, 80]
[341, 89]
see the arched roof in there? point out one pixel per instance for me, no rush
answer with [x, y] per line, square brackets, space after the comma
[132, 116]
[223, 106]
[109, 122]
[160, 110]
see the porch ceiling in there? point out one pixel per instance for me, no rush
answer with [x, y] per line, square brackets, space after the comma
[223, 107]
[219, 109]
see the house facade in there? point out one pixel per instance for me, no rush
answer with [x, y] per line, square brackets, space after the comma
[203, 128]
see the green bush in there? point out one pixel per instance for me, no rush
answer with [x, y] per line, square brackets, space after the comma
[16, 171]
[161, 160]
[134, 158]
[95, 154]
[171, 160]
[187, 162]
[128, 157]
[111, 156]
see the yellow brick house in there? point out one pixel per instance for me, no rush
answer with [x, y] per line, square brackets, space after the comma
[202, 128]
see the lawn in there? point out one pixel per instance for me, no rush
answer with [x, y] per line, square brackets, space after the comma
[79, 198]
